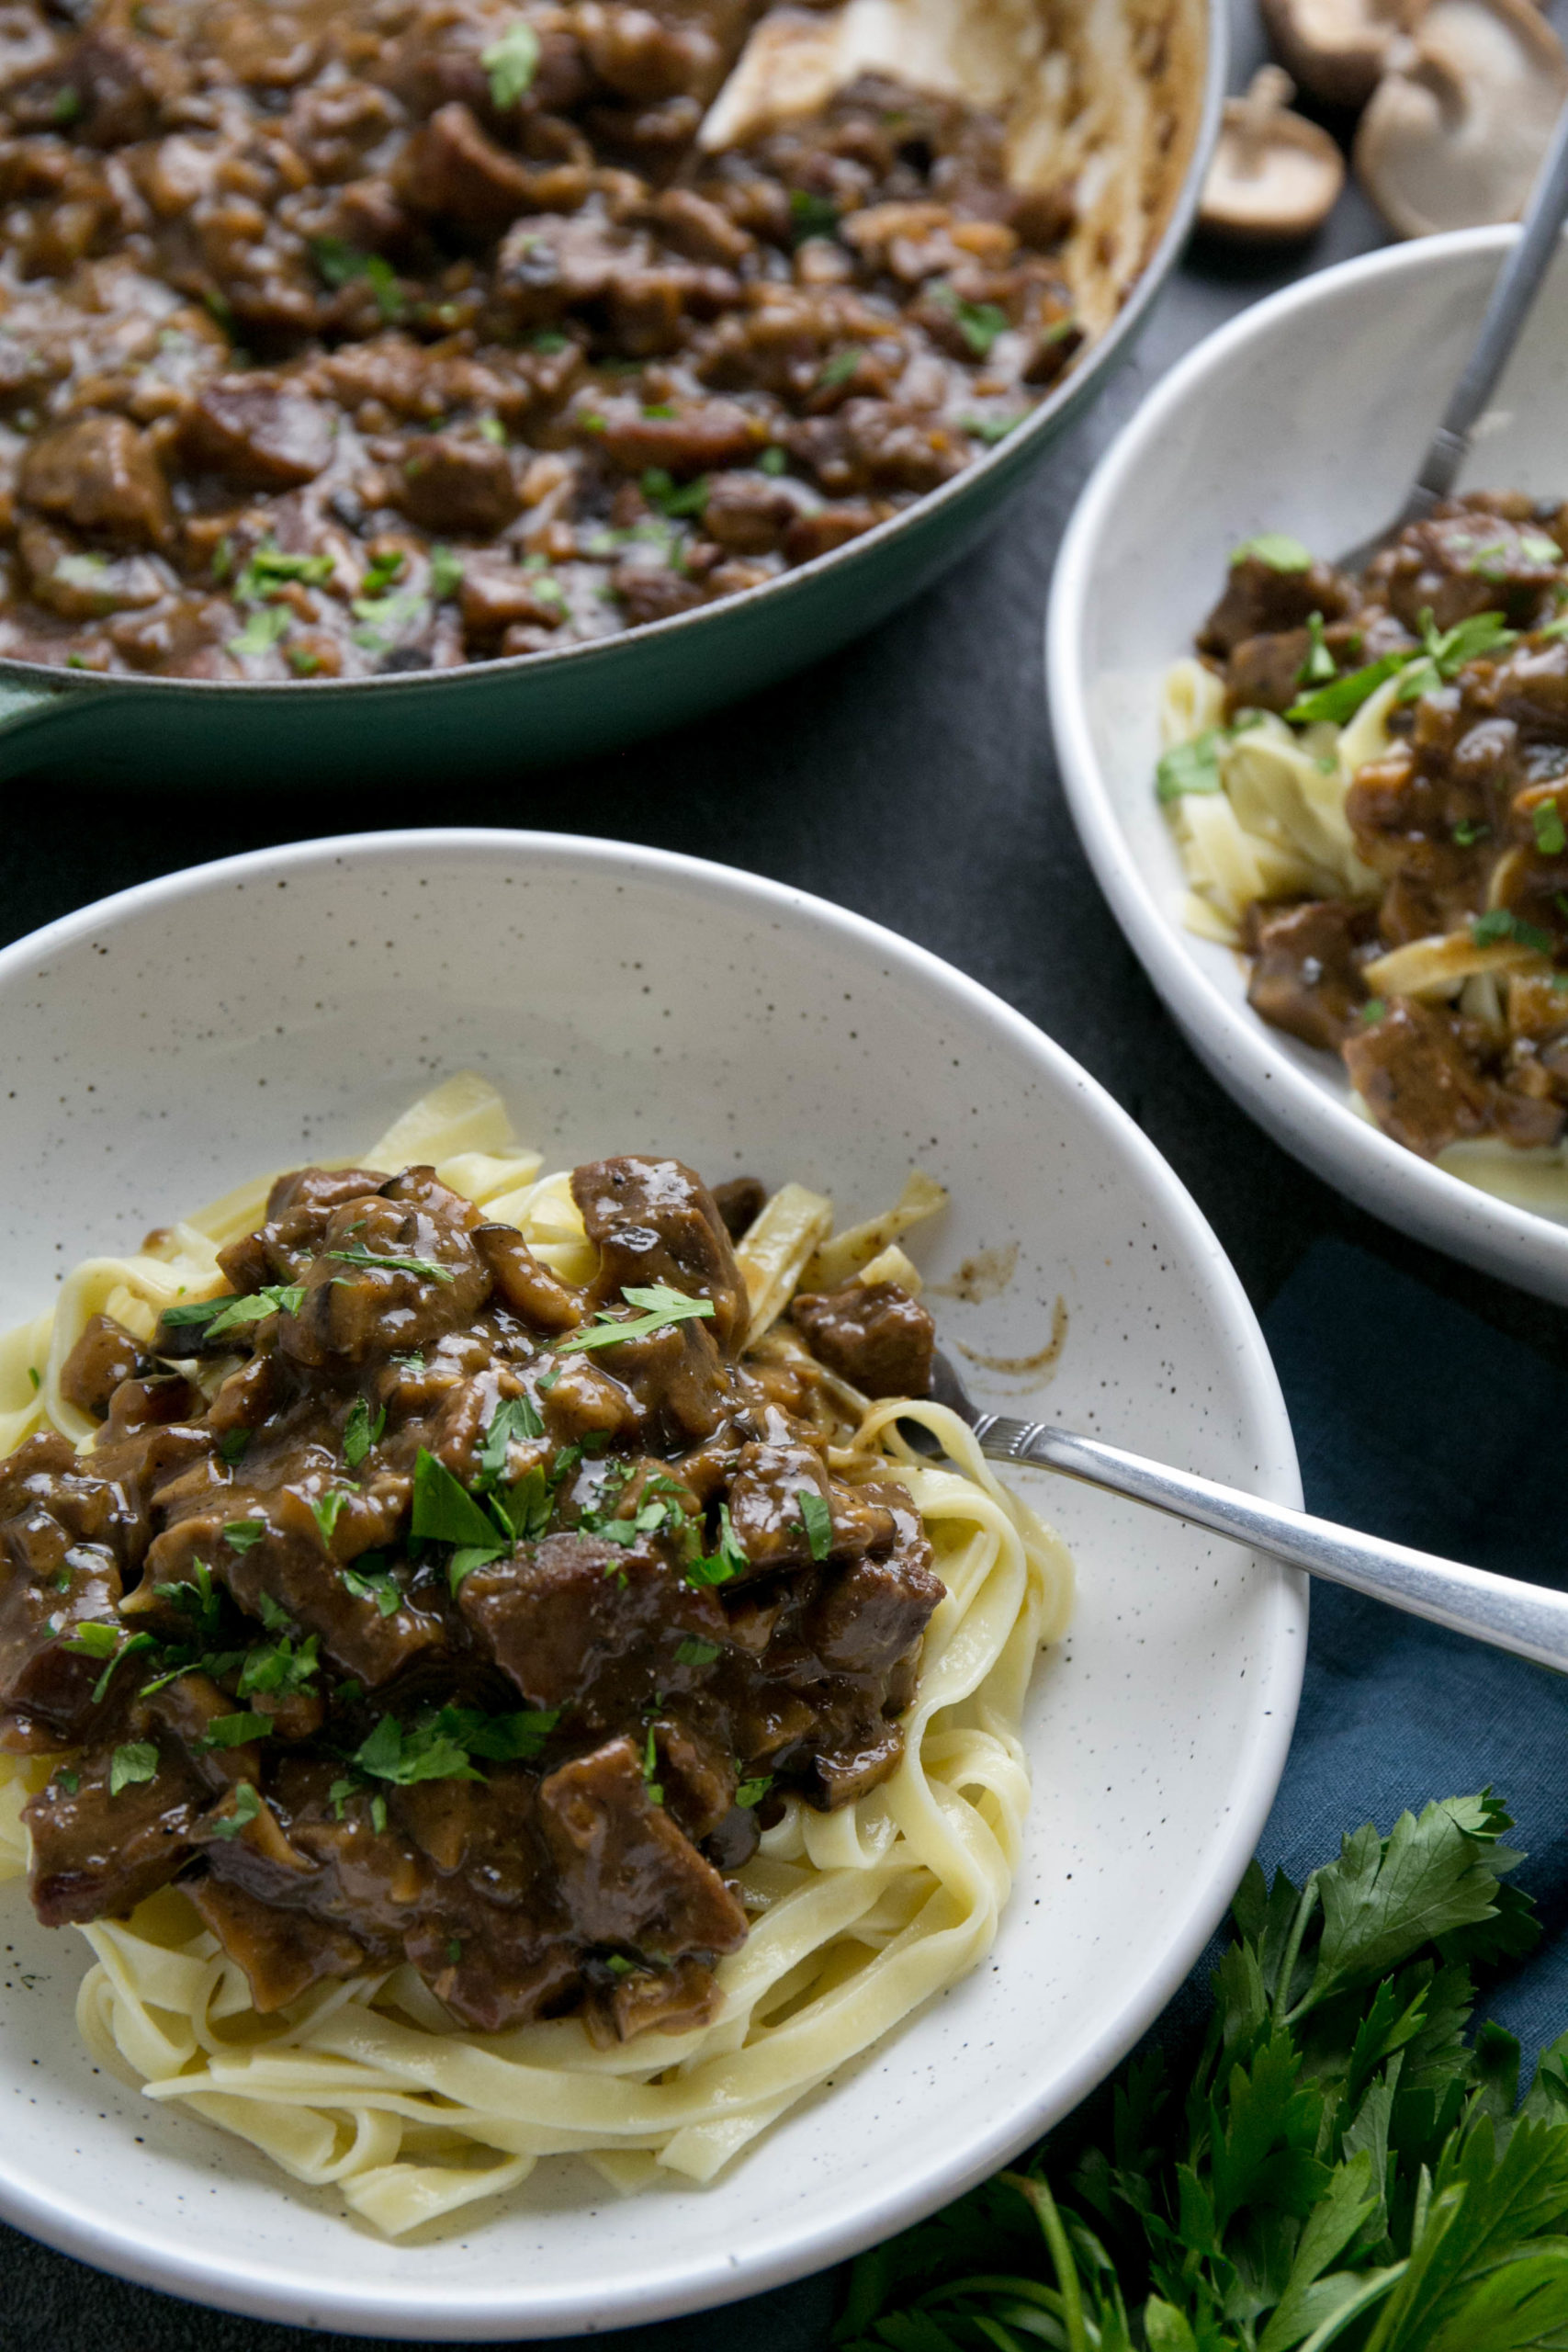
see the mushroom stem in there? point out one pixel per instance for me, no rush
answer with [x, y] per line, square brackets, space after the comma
[1255, 122]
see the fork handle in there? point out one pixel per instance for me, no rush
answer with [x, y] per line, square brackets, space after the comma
[1506, 313]
[1528, 1619]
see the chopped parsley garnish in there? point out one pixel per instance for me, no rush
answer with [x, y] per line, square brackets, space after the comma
[694, 1651]
[425, 1267]
[1550, 836]
[1373, 1008]
[650, 1767]
[663, 1305]
[67, 1780]
[233, 1444]
[1277, 550]
[67, 104]
[217, 1316]
[235, 1731]
[751, 1792]
[438, 1746]
[773, 461]
[95, 1639]
[979, 323]
[839, 368]
[134, 1760]
[547, 339]
[360, 1433]
[1445, 652]
[499, 1740]
[1342, 699]
[514, 1419]
[446, 572]
[454, 1950]
[1319, 666]
[445, 1513]
[1190, 767]
[525, 1506]
[281, 1667]
[247, 1804]
[369, 1580]
[327, 1510]
[818, 1521]
[240, 1534]
[35, 1378]
[1499, 923]
[811, 215]
[991, 429]
[729, 1561]
[1468, 831]
[661, 489]
[262, 631]
[268, 568]
[510, 63]
[340, 264]
[619, 1965]
[1536, 547]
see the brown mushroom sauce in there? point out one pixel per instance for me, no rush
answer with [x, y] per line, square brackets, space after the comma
[1465, 820]
[420, 1630]
[392, 335]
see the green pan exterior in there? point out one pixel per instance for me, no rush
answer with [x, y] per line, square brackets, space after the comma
[543, 709]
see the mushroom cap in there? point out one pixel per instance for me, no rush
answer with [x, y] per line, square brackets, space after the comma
[1336, 49]
[1457, 127]
[1274, 176]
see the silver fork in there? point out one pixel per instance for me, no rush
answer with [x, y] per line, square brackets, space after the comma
[1511, 296]
[1528, 1619]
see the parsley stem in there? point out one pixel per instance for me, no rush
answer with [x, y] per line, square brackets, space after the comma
[1304, 1910]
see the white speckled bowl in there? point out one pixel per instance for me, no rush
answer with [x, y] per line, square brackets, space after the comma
[1308, 414]
[167, 1042]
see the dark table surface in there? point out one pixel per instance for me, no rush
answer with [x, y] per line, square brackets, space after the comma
[910, 777]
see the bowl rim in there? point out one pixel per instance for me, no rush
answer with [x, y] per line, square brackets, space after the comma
[158, 2257]
[1011, 455]
[1346, 1149]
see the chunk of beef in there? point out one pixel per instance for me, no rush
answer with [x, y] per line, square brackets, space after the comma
[100, 474]
[451, 482]
[823, 528]
[765, 1512]
[748, 513]
[121, 85]
[739, 1203]
[867, 1614]
[872, 1334]
[703, 436]
[1305, 976]
[298, 1208]
[1265, 673]
[1466, 561]
[98, 1856]
[838, 1777]
[628, 1874]
[586, 1625]
[431, 1281]
[106, 1355]
[282, 1952]
[452, 169]
[1261, 600]
[655, 1221]
[258, 432]
[1413, 1070]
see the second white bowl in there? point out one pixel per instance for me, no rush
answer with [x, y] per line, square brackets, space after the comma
[1306, 414]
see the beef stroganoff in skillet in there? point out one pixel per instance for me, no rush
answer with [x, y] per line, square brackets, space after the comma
[486, 1673]
[388, 334]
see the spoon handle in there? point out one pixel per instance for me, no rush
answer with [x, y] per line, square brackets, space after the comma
[1528, 1619]
[1506, 313]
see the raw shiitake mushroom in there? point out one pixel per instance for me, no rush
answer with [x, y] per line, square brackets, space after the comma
[1275, 176]
[1457, 127]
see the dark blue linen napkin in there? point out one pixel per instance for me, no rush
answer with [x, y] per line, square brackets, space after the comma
[1412, 1420]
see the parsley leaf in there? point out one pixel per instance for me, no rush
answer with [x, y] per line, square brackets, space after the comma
[751, 1792]
[664, 1307]
[1319, 666]
[1343, 699]
[247, 1804]
[1277, 550]
[513, 1419]
[235, 1731]
[510, 63]
[1190, 767]
[729, 1561]
[218, 1315]
[360, 1433]
[694, 1651]
[403, 1754]
[133, 1761]
[368, 1580]
[1550, 839]
[1499, 923]
[340, 264]
[817, 1521]
[241, 1535]
[426, 1268]
[262, 631]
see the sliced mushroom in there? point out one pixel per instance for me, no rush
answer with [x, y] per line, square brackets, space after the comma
[1337, 48]
[1457, 126]
[1275, 176]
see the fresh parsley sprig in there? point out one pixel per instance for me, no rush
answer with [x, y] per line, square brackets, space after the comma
[1344, 2167]
[663, 1307]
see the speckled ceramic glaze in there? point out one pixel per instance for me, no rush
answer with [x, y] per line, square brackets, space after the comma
[165, 1043]
[1306, 414]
